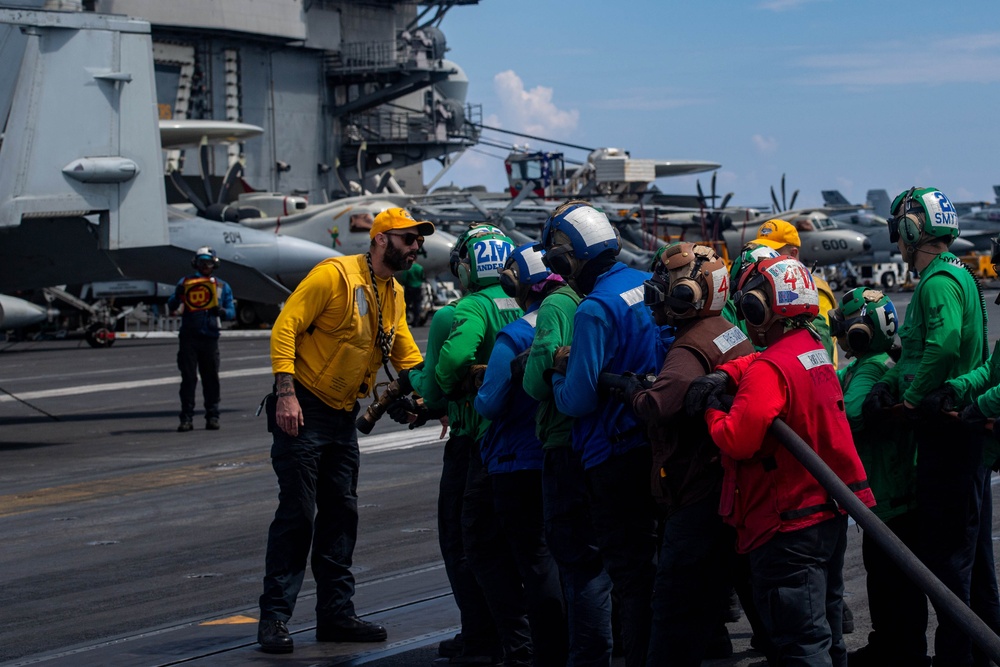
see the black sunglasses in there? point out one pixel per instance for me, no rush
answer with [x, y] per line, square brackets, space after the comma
[409, 238]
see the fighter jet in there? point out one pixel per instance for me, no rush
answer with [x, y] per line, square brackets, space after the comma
[81, 183]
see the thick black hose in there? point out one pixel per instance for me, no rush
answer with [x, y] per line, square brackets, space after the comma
[944, 600]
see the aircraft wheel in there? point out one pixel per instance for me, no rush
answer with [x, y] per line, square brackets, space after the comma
[246, 314]
[888, 280]
[100, 334]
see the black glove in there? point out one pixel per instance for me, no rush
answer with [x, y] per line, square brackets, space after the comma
[401, 409]
[972, 417]
[721, 401]
[879, 400]
[559, 362]
[940, 400]
[518, 364]
[626, 386]
[696, 399]
[403, 380]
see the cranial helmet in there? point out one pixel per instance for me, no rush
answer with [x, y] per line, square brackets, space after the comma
[689, 281]
[482, 257]
[458, 251]
[922, 214]
[524, 269]
[751, 253]
[575, 233]
[205, 254]
[864, 321]
[779, 288]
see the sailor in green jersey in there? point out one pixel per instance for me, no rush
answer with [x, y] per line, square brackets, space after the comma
[865, 325]
[479, 317]
[568, 529]
[943, 337]
[477, 639]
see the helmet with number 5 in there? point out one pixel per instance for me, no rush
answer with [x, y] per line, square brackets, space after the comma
[774, 290]
[865, 321]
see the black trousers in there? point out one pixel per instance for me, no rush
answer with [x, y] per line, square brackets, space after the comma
[317, 507]
[479, 634]
[518, 501]
[198, 354]
[898, 607]
[493, 564]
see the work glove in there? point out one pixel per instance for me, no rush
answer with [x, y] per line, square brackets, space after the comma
[404, 409]
[701, 388]
[940, 400]
[721, 401]
[626, 386]
[560, 359]
[474, 378]
[880, 399]
[972, 417]
[518, 364]
[559, 362]
[403, 380]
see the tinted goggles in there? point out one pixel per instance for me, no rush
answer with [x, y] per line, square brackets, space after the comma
[893, 229]
[654, 293]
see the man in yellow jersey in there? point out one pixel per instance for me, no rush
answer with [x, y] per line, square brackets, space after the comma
[343, 321]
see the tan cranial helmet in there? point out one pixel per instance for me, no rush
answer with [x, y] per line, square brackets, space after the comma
[689, 281]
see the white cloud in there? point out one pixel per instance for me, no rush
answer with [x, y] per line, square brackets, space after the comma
[532, 111]
[765, 145]
[966, 59]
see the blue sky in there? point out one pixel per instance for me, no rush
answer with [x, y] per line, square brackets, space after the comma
[837, 94]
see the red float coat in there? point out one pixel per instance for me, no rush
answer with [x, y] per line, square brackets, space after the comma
[765, 489]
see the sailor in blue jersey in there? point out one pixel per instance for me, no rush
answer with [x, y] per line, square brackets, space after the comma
[206, 300]
[512, 454]
[613, 331]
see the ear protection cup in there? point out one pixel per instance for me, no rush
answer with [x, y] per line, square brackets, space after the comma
[686, 290]
[753, 308]
[859, 337]
[464, 275]
[910, 229]
[509, 281]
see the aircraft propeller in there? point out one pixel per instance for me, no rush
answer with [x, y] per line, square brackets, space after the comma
[774, 199]
[218, 209]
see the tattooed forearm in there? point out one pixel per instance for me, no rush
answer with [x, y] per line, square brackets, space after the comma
[284, 384]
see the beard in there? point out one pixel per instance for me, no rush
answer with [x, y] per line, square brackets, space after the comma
[396, 259]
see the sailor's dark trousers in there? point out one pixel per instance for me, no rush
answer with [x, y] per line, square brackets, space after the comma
[317, 506]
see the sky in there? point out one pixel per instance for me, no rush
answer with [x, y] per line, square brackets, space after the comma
[835, 94]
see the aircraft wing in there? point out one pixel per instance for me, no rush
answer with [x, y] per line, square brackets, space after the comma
[683, 167]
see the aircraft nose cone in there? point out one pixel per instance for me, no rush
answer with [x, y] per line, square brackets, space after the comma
[297, 257]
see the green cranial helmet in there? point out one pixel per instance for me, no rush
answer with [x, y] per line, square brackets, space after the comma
[483, 257]
[751, 253]
[865, 321]
[922, 211]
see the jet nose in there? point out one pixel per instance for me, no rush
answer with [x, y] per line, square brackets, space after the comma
[297, 257]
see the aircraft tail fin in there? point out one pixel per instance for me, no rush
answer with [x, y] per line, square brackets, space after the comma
[834, 198]
[996, 192]
[879, 202]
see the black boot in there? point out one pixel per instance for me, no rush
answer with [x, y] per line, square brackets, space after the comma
[273, 637]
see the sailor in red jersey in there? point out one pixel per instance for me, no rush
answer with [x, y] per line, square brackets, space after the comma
[789, 525]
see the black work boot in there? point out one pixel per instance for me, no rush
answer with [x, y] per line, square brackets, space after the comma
[184, 426]
[273, 637]
[212, 424]
[349, 629]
